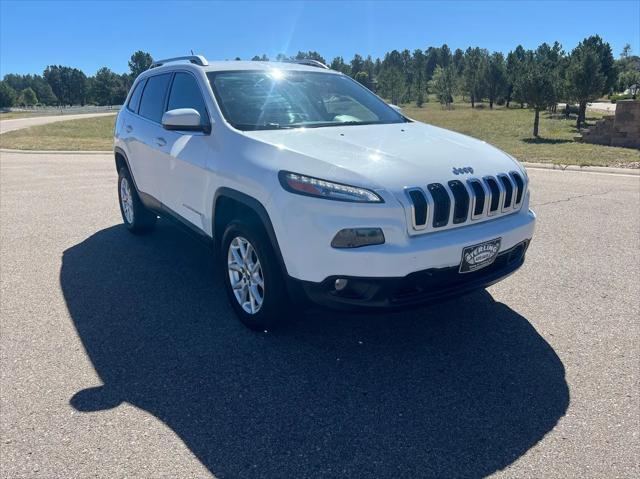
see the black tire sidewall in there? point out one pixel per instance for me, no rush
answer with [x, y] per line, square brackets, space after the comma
[273, 310]
[124, 176]
[143, 219]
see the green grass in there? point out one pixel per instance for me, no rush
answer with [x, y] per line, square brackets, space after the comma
[12, 115]
[512, 131]
[84, 134]
[509, 129]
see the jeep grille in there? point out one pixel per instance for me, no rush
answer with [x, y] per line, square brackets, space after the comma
[458, 203]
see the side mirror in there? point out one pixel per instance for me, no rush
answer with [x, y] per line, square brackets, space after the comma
[184, 119]
[396, 108]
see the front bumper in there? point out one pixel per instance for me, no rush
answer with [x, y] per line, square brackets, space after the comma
[430, 285]
[306, 227]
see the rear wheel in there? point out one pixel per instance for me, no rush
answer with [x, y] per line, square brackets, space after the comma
[252, 276]
[136, 217]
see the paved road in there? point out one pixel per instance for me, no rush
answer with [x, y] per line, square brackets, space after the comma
[602, 106]
[120, 356]
[596, 105]
[20, 123]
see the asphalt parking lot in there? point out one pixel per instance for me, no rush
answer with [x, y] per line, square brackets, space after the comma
[120, 356]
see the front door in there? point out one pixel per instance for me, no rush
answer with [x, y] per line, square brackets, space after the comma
[183, 174]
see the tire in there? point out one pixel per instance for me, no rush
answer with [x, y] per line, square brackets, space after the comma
[270, 311]
[137, 218]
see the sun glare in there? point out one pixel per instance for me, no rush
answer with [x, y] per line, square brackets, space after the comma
[277, 74]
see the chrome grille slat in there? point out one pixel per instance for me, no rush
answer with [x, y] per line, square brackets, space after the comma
[418, 222]
[454, 203]
[496, 198]
[509, 188]
[460, 201]
[520, 185]
[472, 182]
[441, 204]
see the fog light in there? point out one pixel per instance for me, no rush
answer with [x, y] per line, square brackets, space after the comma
[356, 237]
[341, 283]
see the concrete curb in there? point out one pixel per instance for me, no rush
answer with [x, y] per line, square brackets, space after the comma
[585, 169]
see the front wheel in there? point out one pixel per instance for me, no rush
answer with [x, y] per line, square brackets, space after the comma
[252, 277]
[136, 217]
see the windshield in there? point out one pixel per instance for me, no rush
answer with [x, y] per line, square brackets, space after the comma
[275, 99]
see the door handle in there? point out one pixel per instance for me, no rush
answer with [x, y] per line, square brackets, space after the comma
[160, 141]
[128, 128]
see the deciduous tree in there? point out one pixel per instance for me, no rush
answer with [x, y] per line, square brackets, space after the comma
[36, 83]
[28, 97]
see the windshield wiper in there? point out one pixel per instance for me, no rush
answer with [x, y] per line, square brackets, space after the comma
[263, 126]
[289, 126]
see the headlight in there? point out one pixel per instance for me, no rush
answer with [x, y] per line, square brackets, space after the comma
[309, 186]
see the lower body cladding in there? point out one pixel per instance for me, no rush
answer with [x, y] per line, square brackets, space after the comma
[432, 268]
[430, 285]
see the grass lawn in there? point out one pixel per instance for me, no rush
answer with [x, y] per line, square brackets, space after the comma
[83, 134]
[508, 129]
[511, 130]
[13, 115]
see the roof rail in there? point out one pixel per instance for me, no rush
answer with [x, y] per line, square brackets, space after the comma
[197, 59]
[310, 62]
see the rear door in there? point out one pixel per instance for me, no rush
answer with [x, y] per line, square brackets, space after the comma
[184, 173]
[129, 131]
[148, 144]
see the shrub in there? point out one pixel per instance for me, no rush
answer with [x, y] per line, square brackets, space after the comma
[618, 97]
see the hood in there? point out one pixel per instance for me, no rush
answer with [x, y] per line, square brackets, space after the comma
[391, 156]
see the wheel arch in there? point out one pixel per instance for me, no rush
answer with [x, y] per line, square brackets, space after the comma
[121, 160]
[230, 204]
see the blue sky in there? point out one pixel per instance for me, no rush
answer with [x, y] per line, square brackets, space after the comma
[89, 35]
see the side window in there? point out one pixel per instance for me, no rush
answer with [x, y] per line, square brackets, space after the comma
[152, 103]
[185, 93]
[134, 101]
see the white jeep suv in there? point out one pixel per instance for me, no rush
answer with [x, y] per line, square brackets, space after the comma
[310, 186]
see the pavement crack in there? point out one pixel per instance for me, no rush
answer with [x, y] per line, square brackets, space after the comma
[571, 198]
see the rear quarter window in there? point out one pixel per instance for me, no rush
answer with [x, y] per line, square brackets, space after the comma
[134, 101]
[152, 102]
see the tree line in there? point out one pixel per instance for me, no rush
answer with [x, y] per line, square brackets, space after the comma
[537, 79]
[62, 85]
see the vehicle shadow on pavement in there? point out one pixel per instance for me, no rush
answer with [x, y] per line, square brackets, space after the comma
[459, 389]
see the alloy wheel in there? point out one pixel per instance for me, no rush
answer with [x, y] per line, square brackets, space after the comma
[126, 199]
[245, 275]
